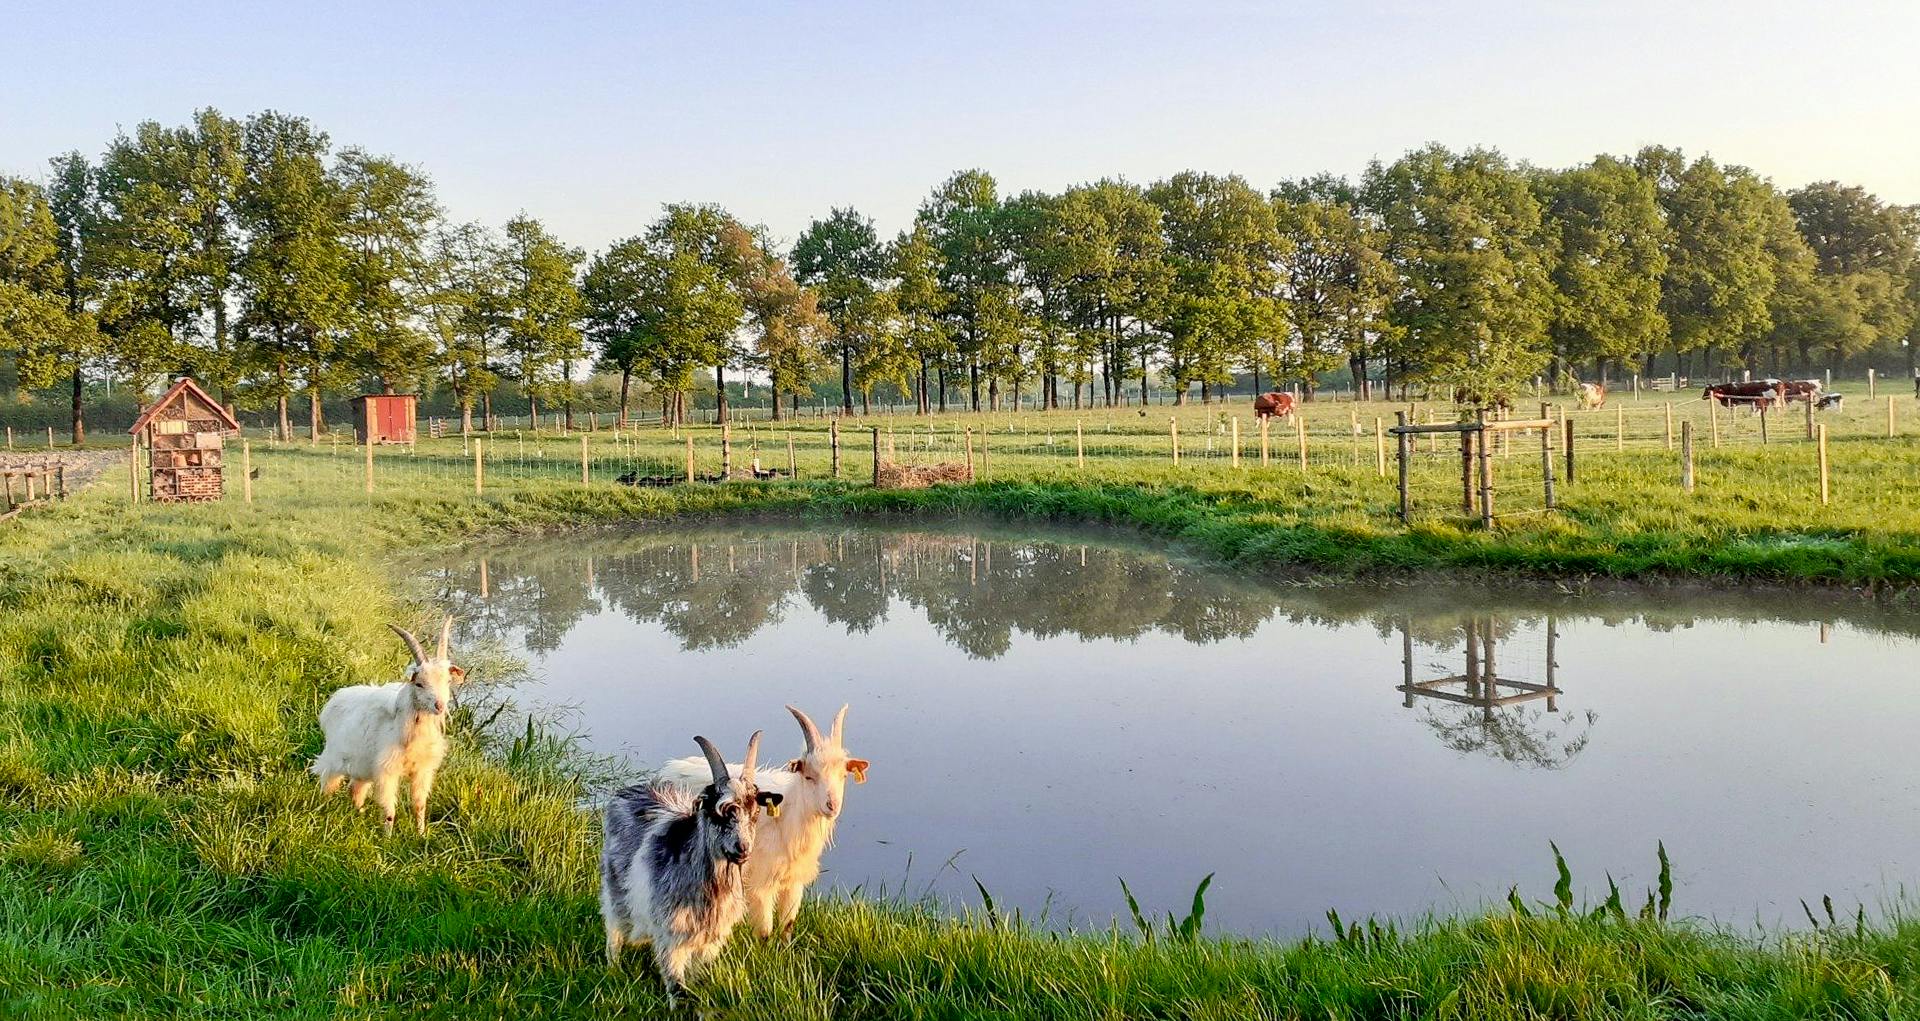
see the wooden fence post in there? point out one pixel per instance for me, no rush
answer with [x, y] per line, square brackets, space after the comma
[1546, 459]
[793, 462]
[1300, 429]
[1869, 397]
[246, 470]
[689, 456]
[1466, 472]
[1713, 422]
[1400, 449]
[1669, 425]
[133, 469]
[1892, 429]
[833, 438]
[1763, 423]
[1823, 462]
[1236, 432]
[726, 451]
[969, 455]
[1686, 456]
[1486, 474]
[1379, 447]
[876, 452]
[586, 476]
[1266, 421]
[986, 463]
[1079, 446]
[1566, 426]
[479, 468]
[1173, 434]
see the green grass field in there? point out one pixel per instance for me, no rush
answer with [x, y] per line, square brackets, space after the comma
[164, 854]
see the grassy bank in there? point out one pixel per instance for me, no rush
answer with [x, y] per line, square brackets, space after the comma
[163, 854]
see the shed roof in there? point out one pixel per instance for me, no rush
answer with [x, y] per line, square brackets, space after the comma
[185, 386]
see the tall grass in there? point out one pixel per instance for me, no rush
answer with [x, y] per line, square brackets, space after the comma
[164, 854]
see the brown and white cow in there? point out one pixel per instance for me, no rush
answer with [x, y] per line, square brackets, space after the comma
[1273, 404]
[1593, 396]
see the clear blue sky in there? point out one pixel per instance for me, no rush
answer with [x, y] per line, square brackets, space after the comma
[590, 116]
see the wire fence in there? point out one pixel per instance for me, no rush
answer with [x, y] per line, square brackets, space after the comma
[1348, 445]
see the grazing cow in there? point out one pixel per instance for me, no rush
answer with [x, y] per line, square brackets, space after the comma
[1273, 404]
[1755, 394]
[1593, 396]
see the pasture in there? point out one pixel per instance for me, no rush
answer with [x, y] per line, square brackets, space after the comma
[163, 852]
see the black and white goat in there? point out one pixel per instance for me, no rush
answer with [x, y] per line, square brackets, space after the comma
[378, 733]
[787, 859]
[671, 863]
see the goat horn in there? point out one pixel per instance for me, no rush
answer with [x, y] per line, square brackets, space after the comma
[413, 644]
[807, 729]
[753, 752]
[714, 761]
[840, 725]
[446, 635]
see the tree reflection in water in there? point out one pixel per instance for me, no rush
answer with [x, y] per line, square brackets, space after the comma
[716, 588]
[1487, 707]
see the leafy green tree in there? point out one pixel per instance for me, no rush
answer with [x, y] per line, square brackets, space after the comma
[462, 293]
[788, 325]
[1046, 253]
[75, 205]
[1720, 272]
[1865, 251]
[1336, 281]
[388, 219]
[1120, 280]
[1610, 247]
[842, 260]
[914, 266]
[1465, 235]
[1222, 243]
[962, 219]
[46, 330]
[540, 308]
[293, 269]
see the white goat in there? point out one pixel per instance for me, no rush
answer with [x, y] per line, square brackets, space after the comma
[670, 863]
[377, 733]
[791, 841]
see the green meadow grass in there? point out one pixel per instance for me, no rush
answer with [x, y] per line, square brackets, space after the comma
[164, 854]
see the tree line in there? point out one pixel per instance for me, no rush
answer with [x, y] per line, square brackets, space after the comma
[258, 257]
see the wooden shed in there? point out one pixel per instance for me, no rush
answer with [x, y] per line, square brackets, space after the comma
[185, 432]
[384, 418]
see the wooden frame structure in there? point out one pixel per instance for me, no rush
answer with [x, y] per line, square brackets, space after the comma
[1477, 488]
[185, 433]
[1479, 683]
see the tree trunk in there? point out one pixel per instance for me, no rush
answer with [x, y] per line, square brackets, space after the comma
[846, 378]
[566, 394]
[313, 414]
[973, 386]
[466, 417]
[626, 380]
[533, 413]
[720, 394]
[486, 410]
[79, 422]
[1143, 376]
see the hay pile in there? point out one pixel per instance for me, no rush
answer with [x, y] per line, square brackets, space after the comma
[890, 475]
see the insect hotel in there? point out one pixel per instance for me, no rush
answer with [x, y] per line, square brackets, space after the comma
[185, 434]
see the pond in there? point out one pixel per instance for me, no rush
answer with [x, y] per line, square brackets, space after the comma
[1051, 712]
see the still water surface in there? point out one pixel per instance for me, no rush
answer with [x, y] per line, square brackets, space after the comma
[1049, 713]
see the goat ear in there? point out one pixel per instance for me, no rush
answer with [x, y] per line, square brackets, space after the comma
[456, 675]
[858, 767]
[770, 801]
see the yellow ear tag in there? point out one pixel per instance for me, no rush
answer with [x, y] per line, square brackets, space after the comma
[773, 810]
[860, 776]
